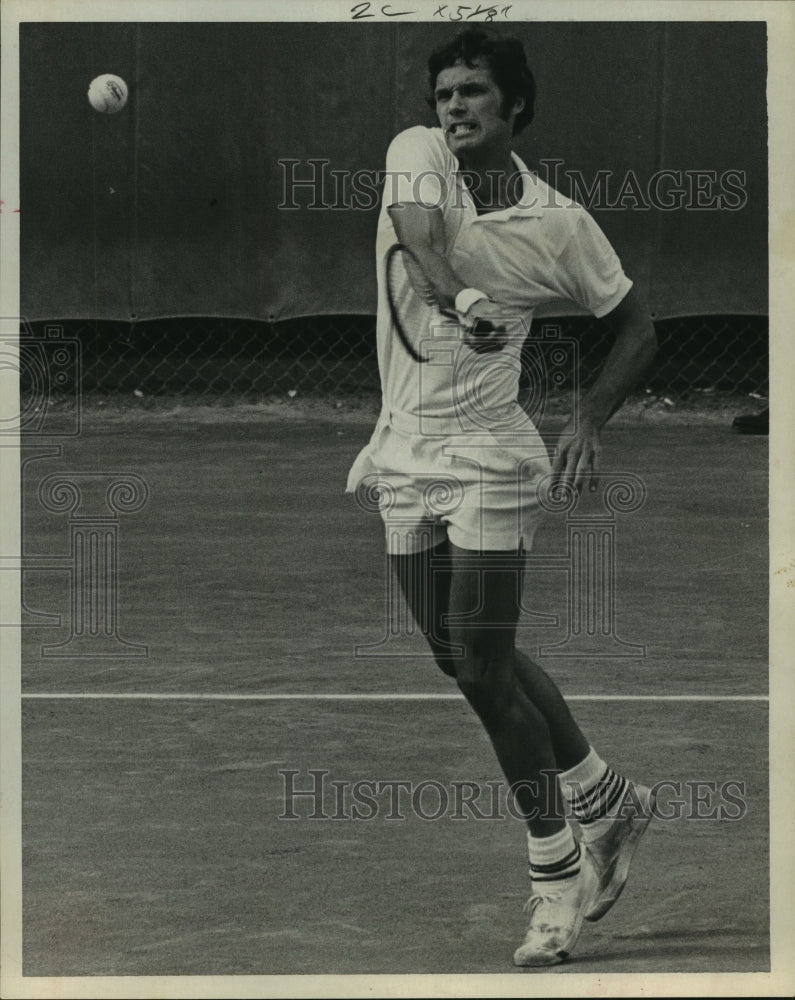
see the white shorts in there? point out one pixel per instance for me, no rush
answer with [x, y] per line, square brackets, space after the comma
[478, 488]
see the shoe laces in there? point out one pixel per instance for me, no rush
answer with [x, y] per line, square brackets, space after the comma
[551, 898]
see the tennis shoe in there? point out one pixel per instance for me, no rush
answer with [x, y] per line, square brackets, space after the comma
[556, 912]
[611, 853]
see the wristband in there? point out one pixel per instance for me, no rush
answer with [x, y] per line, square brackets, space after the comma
[466, 298]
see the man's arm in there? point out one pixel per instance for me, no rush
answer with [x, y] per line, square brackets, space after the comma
[422, 231]
[629, 358]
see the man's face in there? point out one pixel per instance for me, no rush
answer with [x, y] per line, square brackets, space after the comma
[469, 105]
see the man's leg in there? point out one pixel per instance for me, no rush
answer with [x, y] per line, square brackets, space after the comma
[568, 742]
[612, 812]
[525, 743]
[424, 579]
[433, 582]
[483, 614]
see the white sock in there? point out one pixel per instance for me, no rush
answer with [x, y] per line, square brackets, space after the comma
[553, 858]
[594, 793]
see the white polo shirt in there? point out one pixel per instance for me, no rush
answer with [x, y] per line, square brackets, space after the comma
[545, 248]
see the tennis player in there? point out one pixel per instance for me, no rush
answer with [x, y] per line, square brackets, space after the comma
[457, 463]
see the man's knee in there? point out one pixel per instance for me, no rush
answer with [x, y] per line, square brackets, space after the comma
[483, 674]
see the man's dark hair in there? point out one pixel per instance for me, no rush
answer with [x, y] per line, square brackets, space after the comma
[504, 57]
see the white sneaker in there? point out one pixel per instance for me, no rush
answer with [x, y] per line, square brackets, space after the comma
[611, 853]
[556, 910]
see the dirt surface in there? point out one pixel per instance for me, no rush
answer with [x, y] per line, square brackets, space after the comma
[153, 843]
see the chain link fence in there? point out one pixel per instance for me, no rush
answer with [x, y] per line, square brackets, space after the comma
[224, 360]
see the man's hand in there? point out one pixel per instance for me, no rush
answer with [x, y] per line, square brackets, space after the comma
[579, 458]
[485, 327]
[630, 356]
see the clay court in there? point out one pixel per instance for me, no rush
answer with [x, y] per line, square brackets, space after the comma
[153, 785]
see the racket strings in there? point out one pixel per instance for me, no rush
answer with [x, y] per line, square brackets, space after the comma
[404, 278]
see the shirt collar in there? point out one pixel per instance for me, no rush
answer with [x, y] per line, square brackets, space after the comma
[532, 198]
[530, 203]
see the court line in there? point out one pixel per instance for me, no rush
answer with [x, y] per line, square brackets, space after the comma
[313, 696]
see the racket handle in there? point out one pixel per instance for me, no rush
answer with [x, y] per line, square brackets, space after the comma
[480, 326]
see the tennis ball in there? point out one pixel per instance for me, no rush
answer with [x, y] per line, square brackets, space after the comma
[107, 93]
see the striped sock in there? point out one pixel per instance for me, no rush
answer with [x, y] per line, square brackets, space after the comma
[554, 858]
[594, 793]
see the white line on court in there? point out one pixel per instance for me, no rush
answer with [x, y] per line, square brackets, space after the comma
[172, 696]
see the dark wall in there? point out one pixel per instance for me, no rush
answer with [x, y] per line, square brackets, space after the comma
[172, 206]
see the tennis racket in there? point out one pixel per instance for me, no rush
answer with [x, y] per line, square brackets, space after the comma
[402, 264]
